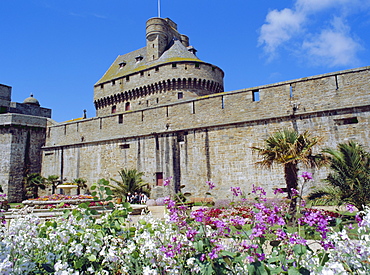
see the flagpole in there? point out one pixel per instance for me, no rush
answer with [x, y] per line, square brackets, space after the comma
[159, 8]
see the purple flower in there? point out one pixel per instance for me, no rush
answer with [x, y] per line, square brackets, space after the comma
[306, 175]
[350, 208]
[236, 191]
[170, 203]
[296, 239]
[211, 185]
[167, 181]
[278, 191]
[191, 233]
[202, 257]
[294, 192]
[258, 190]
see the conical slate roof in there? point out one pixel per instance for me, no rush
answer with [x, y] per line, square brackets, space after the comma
[137, 61]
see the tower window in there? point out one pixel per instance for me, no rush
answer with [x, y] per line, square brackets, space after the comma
[141, 73]
[159, 178]
[122, 64]
[120, 118]
[113, 82]
[101, 86]
[197, 65]
[127, 78]
[114, 109]
[180, 95]
[127, 106]
[174, 65]
[256, 95]
[156, 69]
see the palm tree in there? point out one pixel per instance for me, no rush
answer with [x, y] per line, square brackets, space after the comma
[289, 148]
[349, 181]
[32, 184]
[54, 181]
[131, 182]
[81, 183]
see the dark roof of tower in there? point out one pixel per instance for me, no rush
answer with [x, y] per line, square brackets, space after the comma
[130, 63]
[31, 100]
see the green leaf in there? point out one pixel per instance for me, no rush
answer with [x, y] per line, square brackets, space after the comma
[99, 234]
[126, 204]
[108, 191]
[94, 212]
[78, 264]
[199, 245]
[257, 268]
[301, 271]
[324, 258]
[93, 187]
[300, 249]
[83, 205]
[92, 258]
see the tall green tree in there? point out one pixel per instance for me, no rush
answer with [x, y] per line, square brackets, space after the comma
[53, 181]
[32, 183]
[349, 179]
[81, 184]
[289, 148]
[130, 182]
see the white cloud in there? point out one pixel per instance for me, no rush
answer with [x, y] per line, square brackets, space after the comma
[309, 6]
[280, 27]
[333, 46]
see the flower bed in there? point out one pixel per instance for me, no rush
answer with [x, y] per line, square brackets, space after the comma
[60, 201]
[60, 197]
[255, 239]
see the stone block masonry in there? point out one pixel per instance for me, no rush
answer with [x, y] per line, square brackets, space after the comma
[209, 137]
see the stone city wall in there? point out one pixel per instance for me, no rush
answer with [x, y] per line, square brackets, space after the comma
[209, 138]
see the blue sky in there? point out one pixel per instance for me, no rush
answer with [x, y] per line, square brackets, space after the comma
[58, 49]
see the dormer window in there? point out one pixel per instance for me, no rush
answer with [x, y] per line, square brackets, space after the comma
[139, 58]
[122, 64]
[192, 50]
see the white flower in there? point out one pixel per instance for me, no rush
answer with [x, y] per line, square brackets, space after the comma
[333, 268]
[190, 261]
[148, 271]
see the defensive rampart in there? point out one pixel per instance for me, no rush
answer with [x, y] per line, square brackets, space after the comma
[209, 138]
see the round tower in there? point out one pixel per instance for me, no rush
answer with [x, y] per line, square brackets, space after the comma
[157, 37]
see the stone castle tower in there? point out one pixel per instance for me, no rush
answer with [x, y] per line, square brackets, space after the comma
[22, 134]
[165, 71]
